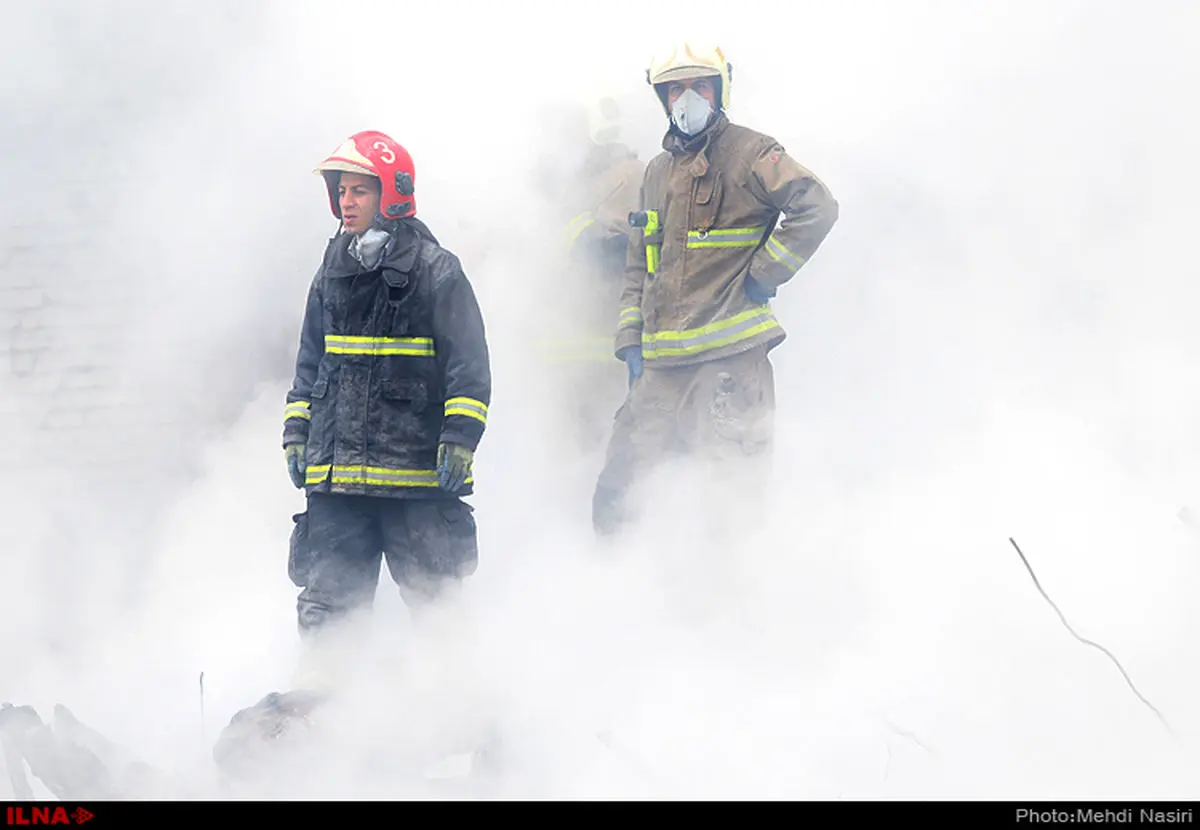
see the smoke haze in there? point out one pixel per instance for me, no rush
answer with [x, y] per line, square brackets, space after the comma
[995, 341]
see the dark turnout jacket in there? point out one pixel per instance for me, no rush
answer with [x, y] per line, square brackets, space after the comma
[392, 362]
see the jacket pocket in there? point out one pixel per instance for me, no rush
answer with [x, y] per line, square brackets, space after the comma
[461, 537]
[415, 393]
[328, 371]
[320, 425]
[740, 415]
[323, 406]
[441, 535]
[710, 191]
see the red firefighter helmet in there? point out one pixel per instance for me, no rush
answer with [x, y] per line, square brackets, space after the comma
[372, 153]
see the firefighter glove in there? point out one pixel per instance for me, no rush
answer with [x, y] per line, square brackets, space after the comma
[294, 453]
[454, 466]
[757, 292]
[633, 359]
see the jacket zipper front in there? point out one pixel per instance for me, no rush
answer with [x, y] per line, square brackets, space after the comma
[691, 208]
[366, 405]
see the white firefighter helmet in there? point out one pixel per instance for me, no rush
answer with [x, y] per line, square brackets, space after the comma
[604, 119]
[689, 59]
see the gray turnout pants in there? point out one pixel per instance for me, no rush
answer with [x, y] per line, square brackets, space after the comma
[337, 544]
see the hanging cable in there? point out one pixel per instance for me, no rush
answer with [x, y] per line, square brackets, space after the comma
[1087, 642]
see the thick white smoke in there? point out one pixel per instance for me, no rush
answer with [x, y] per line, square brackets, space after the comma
[994, 342]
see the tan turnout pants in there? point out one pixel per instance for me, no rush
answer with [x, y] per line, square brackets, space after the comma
[720, 412]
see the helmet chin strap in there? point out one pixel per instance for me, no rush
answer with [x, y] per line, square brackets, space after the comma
[379, 223]
[383, 223]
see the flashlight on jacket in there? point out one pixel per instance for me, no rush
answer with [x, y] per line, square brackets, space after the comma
[639, 219]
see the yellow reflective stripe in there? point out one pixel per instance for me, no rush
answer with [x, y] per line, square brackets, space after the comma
[710, 328]
[577, 225]
[580, 350]
[726, 238]
[354, 344]
[735, 329]
[469, 407]
[630, 317]
[376, 476]
[574, 358]
[297, 409]
[652, 250]
[779, 252]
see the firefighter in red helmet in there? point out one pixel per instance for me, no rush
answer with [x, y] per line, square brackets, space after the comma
[388, 405]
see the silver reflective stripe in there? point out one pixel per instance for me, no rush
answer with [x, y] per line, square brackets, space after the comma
[726, 238]
[782, 255]
[468, 407]
[381, 476]
[398, 478]
[353, 344]
[713, 336]
[297, 409]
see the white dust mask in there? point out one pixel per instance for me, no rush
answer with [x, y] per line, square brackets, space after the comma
[691, 112]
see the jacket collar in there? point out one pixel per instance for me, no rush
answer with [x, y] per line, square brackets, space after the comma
[678, 144]
[400, 253]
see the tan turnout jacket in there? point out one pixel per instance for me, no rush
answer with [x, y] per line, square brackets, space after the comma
[729, 202]
[597, 241]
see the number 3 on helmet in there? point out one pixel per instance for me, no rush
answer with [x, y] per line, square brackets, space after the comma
[372, 153]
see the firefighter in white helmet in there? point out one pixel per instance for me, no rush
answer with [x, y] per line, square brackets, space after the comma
[725, 218]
